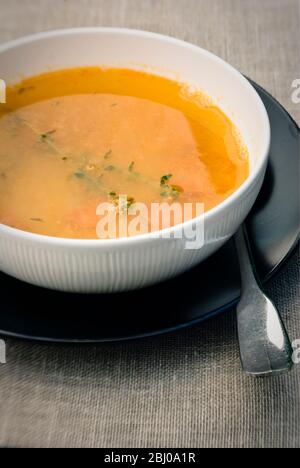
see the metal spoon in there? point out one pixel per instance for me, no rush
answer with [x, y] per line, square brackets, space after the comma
[264, 343]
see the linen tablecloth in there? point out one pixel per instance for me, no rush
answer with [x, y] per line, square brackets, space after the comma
[185, 389]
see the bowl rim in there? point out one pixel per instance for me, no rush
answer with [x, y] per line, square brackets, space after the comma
[227, 203]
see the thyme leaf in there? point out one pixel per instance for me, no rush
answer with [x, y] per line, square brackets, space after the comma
[164, 179]
[131, 166]
[44, 136]
[79, 174]
[108, 154]
[109, 168]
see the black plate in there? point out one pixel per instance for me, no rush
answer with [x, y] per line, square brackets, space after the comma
[34, 313]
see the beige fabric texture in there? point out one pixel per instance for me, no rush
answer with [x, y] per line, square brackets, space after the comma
[180, 390]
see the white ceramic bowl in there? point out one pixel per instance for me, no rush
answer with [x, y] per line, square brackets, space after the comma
[129, 263]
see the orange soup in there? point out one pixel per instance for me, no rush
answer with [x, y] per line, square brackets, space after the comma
[75, 138]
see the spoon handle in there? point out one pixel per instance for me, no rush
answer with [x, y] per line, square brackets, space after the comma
[264, 343]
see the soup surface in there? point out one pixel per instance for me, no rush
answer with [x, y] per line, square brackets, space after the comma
[73, 139]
